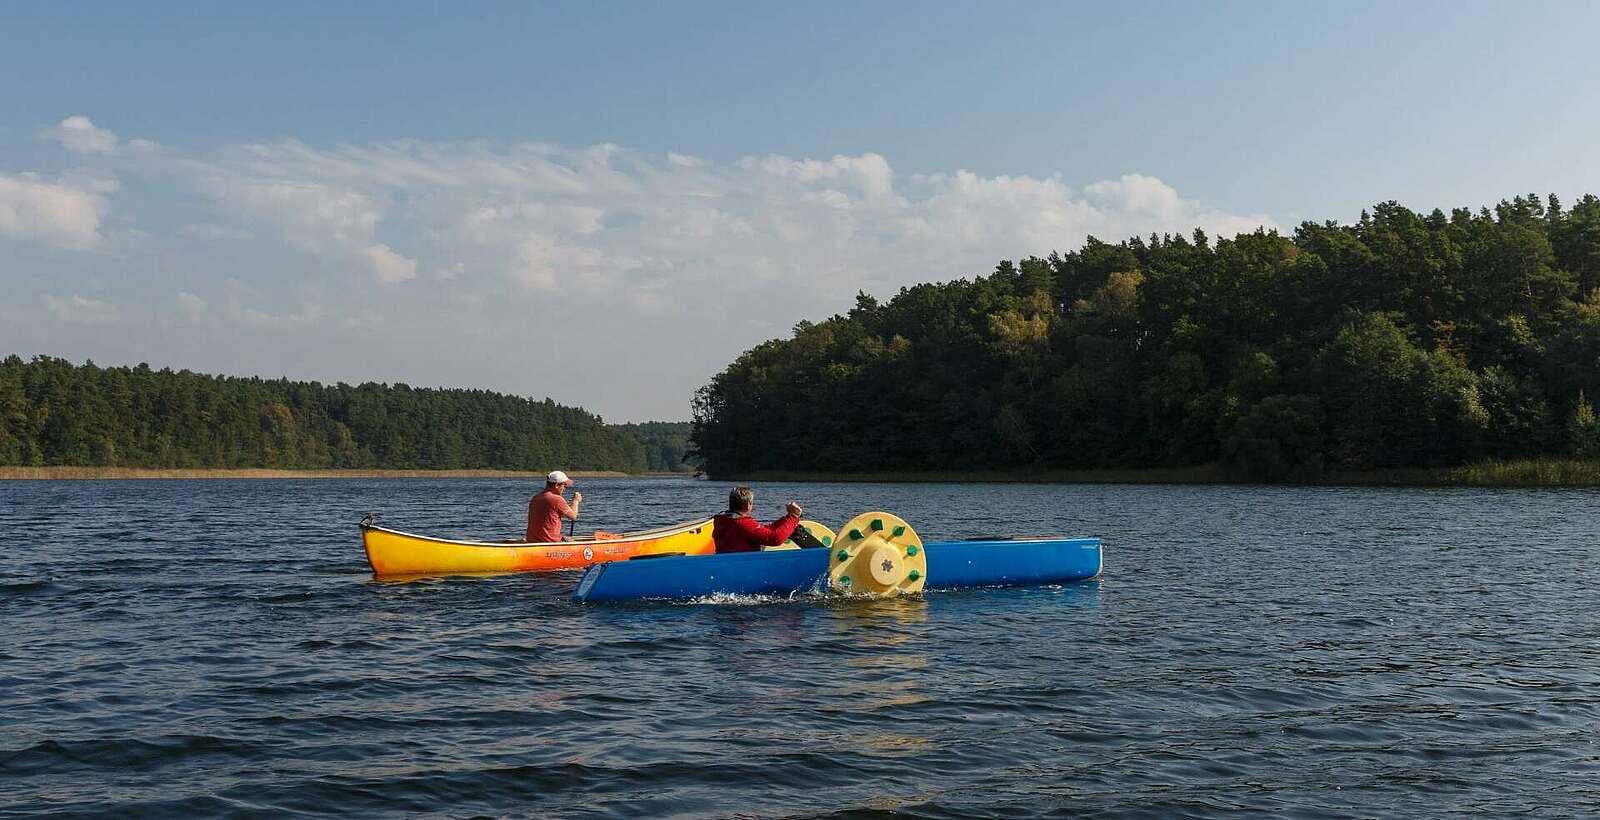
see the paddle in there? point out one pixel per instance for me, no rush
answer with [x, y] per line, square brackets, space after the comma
[803, 539]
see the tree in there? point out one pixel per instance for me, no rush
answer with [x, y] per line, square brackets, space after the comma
[1279, 439]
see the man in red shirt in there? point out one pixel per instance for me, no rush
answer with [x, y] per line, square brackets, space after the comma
[546, 509]
[736, 531]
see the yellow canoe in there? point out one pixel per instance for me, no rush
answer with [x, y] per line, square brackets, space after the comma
[391, 552]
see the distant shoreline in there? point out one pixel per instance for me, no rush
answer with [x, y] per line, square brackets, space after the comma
[1528, 473]
[92, 473]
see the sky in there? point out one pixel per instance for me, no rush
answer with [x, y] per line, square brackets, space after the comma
[606, 203]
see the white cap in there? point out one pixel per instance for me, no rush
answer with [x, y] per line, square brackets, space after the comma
[557, 477]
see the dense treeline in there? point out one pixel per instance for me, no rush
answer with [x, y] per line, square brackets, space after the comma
[55, 413]
[1403, 340]
[666, 445]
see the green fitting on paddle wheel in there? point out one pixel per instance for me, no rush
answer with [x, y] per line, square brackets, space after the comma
[844, 555]
[845, 580]
[810, 534]
[877, 525]
[898, 531]
[911, 550]
[855, 535]
[914, 575]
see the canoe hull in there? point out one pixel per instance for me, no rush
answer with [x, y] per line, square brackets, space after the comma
[1023, 562]
[951, 564]
[395, 553]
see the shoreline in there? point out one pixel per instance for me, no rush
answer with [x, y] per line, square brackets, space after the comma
[1530, 473]
[157, 473]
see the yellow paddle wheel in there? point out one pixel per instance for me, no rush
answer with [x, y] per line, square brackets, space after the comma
[877, 555]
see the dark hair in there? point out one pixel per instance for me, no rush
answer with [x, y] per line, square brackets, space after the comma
[741, 498]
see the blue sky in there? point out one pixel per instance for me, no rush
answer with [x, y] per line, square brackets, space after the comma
[604, 203]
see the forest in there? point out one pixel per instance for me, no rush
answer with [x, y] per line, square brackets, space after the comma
[53, 412]
[1405, 339]
[666, 445]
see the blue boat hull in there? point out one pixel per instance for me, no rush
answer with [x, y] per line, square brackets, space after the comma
[951, 564]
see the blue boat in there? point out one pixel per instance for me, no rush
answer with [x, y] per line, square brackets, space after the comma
[950, 564]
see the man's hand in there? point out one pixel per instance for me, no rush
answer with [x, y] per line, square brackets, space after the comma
[576, 496]
[792, 509]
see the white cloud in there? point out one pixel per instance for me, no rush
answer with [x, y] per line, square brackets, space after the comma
[387, 266]
[868, 174]
[1147, 201]
[309, 313]
[361, 319]
[78, 134]
[79, 310]
[312, 215]
[215, 233]
[191, 306]
[65, 213]
[322, 217]
[1137, 193]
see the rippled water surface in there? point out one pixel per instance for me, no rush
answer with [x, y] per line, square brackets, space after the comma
[219, 648]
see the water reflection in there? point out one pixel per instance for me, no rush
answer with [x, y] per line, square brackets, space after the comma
[904, 611]
[1083, 594]
[883, 641]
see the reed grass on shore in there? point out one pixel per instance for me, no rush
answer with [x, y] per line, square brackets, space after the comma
[1540, 472]
[1526, 473]
[1207, 474]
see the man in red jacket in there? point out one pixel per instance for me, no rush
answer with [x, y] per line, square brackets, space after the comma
[736, 531]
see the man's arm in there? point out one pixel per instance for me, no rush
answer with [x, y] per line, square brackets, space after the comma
[570, 511]
[774, 535]
[783, 528]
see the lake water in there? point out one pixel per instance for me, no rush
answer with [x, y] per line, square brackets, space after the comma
[190, 648]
